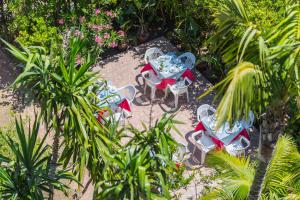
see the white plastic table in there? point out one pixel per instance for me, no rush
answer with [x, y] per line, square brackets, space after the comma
[168, 66]
[224, 133]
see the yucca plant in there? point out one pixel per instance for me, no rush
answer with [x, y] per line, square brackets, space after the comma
[26, 174]
[281, 181]
[63, 87]
[129, 175]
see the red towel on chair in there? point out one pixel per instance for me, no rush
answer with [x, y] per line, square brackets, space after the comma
[200, 127]
[242, 133]
[148, 67]
[100, 115]
[219, 144]
[188, 73]
[165, 82]
[125, 105]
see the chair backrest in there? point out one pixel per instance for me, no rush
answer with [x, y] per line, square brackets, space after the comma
[128, 92]
[152, 53]
[188, 59]
[205, 110]
[245, 140]
[248, 124]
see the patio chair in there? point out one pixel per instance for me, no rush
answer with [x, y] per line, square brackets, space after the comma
[248, 124]
[205, 110]
[179, 88]
[127, 92]
[203, 143]
[188, 59]
[152, 53]
[180, 154]
[238, 147]
[151, 80]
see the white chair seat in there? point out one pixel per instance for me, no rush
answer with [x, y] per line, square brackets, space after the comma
[127, 92]
[179, 88]
[204, 143]
[151, 80]
[238, 147]
[154, 80]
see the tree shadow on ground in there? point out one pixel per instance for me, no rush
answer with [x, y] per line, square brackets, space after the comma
[8, 73]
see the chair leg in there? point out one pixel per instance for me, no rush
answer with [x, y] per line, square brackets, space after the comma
[145, 88]
[176, 100]
[187, 96]
[166, 93]
[203, 154]
[153, 90]
[193, 157]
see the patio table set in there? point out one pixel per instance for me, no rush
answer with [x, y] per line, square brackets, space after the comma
[162, 71]
[168, 72]
[171, 73]
[206, 137]
[115, 103]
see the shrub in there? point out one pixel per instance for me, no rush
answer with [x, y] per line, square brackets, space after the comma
[33, 30]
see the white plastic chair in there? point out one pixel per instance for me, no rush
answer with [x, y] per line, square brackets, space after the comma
[202, 142]
[179, 88]
[151, 80]
[127, 92]
[188, 59]
[152, 53]
[238, 147]
[205, 110]
[248, 124]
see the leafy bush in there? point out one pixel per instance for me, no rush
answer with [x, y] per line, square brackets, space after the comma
[32, 30]
[8, 131]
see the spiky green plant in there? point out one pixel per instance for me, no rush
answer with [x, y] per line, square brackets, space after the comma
[26, 174]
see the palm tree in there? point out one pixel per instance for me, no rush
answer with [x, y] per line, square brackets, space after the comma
[26, 174]
[264, 74]
[282, 179]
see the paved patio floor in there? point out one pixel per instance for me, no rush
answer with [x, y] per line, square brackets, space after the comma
[124, 69]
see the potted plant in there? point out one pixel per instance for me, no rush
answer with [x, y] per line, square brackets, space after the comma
[141, 9]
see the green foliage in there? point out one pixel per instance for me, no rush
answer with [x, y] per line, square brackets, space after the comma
[281, 181]
[8, 130]
[25, 174]
[237, 175]
[143, 168]
[265, 78]
[33, 30]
